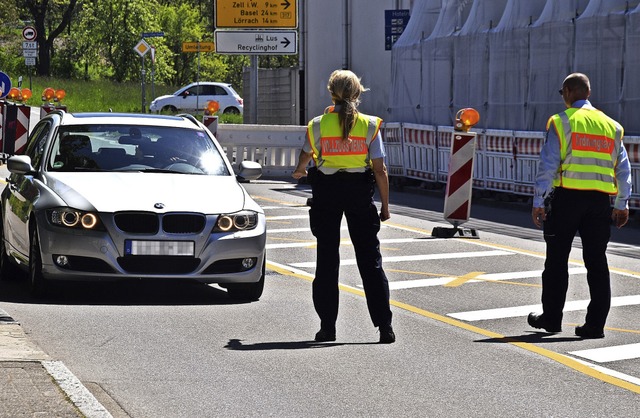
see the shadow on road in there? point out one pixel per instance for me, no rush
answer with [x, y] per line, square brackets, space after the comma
[145, 292]
[238, 345]
[533, 337]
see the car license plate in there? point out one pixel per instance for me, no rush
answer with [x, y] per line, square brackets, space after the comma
[177, 248]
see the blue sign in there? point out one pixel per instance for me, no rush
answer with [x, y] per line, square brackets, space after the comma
[152, 34]
[394, 23]
[5, 85]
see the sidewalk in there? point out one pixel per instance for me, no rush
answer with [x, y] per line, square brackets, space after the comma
[32, 385]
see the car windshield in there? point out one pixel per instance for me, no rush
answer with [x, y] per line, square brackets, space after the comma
[135, 148]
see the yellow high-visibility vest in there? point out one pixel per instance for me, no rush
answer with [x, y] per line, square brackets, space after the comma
[590, 142]
[331, 153]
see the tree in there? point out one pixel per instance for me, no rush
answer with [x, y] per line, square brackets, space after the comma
[48, 14]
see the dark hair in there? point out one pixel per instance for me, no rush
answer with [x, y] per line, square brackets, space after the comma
[578, 83]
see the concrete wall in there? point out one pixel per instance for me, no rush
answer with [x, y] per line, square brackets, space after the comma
[347, 34]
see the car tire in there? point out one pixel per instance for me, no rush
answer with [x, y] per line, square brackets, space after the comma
[232, 111]
[37, 282]
[8, 271]
[169, 109]
[247, 291]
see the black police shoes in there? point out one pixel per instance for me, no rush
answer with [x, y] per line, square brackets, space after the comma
[539, 321]
[387, 336]
[325, 335]
[587, 332]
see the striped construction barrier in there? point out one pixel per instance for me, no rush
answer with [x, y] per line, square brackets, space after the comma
[15, 128]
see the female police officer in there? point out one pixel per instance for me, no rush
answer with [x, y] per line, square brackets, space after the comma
[347, 149]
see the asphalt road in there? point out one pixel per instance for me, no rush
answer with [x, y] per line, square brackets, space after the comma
[460, 305]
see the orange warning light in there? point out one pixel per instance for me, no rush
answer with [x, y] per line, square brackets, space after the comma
[60, 94]
[48, 93]
[26, 94]
[14, 94]
[212, 107]
[466, 118]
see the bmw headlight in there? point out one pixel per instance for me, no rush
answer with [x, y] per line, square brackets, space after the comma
[239, 221]
[73, 218]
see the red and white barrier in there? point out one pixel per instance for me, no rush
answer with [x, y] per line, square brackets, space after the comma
[15, 128]
[457, 203]
[211, 122]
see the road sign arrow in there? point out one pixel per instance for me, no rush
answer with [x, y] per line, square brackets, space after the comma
[286, 42]
[286, 4]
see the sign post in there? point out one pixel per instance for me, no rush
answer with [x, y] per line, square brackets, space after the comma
[233, 14]
[153, 60]
[142, 48]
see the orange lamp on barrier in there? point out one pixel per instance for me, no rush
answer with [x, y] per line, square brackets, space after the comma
[14, 94]
[212, 107]
[26, 94]
[48, 94]
[466, 118]
[60, 94]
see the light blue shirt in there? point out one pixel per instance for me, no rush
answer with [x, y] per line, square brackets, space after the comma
[550, 162]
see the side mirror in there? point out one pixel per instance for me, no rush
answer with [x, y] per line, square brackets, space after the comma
[20, 164]
[250, 170]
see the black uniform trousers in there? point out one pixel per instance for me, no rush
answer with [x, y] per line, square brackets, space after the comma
[589, 214]
[350, 194]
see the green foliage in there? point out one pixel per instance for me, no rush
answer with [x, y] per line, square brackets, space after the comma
[101, 95]
[99, 42]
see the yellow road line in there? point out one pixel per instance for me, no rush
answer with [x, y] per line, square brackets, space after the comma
[560, 358]
[460, 280]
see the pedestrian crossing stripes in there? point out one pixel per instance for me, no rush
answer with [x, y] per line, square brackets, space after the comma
[419, 257]
[441, 281]
[517, 311]
[607, 354]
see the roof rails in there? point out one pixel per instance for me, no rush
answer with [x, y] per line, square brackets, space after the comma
[190, 117]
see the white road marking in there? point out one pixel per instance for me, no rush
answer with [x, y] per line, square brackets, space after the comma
[419, 257]
[439, 281]
[75, 390]
[613, 373]
[313, 243]
[607, 354]
[518, 311]
[286, 217]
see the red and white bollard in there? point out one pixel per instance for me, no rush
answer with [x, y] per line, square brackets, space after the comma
[457, 203]
[210, 118]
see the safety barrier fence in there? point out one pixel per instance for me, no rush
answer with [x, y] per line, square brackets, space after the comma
[505, 160]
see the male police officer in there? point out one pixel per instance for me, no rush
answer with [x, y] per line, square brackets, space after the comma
[582, 163]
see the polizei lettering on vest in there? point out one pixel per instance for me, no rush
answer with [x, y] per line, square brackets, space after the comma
[336, 146]
[593, 143]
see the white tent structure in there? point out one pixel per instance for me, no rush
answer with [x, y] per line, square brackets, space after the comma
[509, 64]
[437, 69]
[511, 70]
[406, 61]
[600, 44]
[551, 59]
[631, 74]
[471, 60]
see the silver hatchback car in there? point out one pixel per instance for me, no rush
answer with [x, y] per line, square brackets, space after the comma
[116, 196]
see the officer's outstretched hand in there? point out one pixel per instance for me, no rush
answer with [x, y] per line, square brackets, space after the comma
[620, 217]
